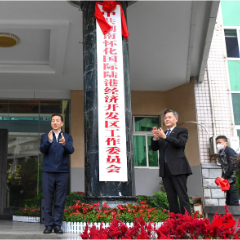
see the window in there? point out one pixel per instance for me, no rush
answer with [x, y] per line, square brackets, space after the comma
[143, 155]
[238, 133]
[236, 111]
[234, 74]
[236, 107]
[231, 43]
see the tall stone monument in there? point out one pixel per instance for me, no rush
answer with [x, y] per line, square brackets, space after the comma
[96, 189]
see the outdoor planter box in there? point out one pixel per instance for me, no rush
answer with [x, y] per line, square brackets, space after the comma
[78, 227]
[26, 219]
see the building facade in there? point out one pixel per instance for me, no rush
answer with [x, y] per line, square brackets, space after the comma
[168, 54]
[217, 97]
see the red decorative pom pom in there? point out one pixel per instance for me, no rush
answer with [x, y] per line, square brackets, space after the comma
[109, 6]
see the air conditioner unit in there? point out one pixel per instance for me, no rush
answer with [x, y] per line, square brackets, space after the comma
[213, 148]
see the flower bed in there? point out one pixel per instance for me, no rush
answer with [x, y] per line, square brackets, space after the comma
[82, 212]
[25, 219]
[178, 226]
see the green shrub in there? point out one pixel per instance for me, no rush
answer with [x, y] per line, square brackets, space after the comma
[73, 197]
[31, 202]
[158, 200]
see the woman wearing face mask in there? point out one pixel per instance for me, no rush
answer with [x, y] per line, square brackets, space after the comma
[225, 155]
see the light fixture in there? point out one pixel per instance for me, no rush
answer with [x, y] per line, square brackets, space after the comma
[8, 40]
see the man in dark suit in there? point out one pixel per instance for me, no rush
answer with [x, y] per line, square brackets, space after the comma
[225, 155]
[56, 147]
[174, 167]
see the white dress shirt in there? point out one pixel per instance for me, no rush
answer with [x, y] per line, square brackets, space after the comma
[56, 135]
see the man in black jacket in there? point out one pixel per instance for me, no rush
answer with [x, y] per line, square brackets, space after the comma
[225, 155]
[174, 167]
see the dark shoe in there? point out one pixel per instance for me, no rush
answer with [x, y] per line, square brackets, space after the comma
[48, 229]
[57, 229]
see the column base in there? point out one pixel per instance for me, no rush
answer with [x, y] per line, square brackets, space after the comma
[111, 201]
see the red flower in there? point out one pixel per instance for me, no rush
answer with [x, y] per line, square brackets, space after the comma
[105, 205]
[85, 234]
[113, 214]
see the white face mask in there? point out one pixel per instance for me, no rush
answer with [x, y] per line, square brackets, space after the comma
[220, 147]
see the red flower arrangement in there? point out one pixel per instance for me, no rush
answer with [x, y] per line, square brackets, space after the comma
[31, 212]
[109, 6]
[178, 226]
[82, 212]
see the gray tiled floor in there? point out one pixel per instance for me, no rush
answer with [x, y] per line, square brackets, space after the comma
[21, 230]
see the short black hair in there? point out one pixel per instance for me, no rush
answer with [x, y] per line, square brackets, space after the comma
[57, 114]
[174, 112]
[221, 137]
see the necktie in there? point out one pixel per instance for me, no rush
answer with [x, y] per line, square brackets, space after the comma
[168, 132]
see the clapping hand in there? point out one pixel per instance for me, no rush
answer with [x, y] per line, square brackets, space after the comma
[50, 136]
[155, 133]
[161, 133]
[158, 133]
[62, 140]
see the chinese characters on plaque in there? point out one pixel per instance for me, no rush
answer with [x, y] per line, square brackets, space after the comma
[111, 100]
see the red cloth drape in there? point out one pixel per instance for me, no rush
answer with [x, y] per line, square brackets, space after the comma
[223, 184]
[103, 23]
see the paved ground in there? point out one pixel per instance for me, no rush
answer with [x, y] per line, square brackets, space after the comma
[21, 230]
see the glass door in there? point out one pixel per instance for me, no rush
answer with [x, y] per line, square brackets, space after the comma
[23, 168]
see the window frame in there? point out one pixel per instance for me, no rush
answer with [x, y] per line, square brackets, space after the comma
[238, 40]
[145, 134]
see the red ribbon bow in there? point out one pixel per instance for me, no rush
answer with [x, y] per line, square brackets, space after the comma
[109, 6]
[223, 184]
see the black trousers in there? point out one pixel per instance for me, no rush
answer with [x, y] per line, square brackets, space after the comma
[232, 197]
[54, 183]
[176, 186]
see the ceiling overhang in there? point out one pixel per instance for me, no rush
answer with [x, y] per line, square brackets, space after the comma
[168, 45]
[56, 41]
